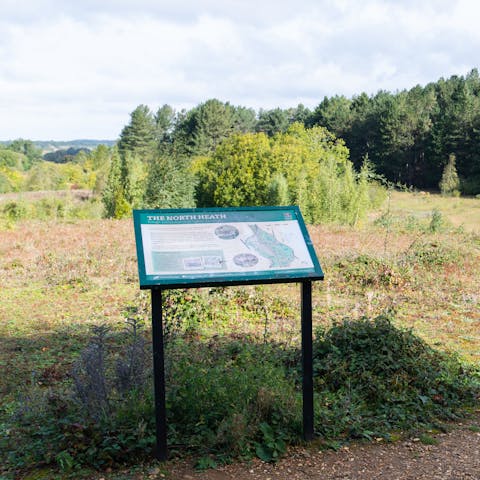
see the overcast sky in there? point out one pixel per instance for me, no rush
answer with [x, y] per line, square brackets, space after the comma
[74, 69]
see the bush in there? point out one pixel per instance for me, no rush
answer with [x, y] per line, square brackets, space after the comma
[103, 416]
[471, 185]
[14, 211]
[51, 207]
[232, 397]
[226, 397]
[374, 377]
[436, 222]
[220, 394]
[307, 167]
[431, 254]
[369, 271]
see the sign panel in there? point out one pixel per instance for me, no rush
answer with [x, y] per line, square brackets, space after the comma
[198, 247]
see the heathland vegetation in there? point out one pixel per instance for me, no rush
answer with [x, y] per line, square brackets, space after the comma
[396, 343]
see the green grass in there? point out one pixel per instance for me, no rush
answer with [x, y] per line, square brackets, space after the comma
[458, 212]
[428, 440]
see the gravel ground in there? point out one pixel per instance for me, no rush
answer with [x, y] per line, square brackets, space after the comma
[455, 456]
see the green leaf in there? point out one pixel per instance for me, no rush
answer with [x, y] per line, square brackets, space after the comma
[264, 453]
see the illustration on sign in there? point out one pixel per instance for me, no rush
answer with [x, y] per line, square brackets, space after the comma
[177, 249]
[267, 245]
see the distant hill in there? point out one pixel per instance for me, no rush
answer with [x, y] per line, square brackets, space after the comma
[64, 155]
[53, 145]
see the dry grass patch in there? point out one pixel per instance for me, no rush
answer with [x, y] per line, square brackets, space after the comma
[460, 212]
[60, 276]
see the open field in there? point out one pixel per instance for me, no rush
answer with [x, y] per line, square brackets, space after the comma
[38, 195]
[59, 278]
[463, 213]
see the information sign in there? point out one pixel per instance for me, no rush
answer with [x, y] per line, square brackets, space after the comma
[223, 246]
[190, 248]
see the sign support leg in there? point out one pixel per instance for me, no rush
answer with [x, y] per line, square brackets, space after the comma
[161, 452]
[307, 361]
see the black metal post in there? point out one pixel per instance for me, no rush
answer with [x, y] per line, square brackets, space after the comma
[307, 360]
[161, 452]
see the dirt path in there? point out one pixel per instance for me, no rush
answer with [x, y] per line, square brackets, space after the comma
[456, 456]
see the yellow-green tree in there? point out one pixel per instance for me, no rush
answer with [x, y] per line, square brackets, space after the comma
[450, 183]
[307, 167]
[11, 180]
[238, 173]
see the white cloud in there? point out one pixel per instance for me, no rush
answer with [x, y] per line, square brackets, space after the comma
[77, 69]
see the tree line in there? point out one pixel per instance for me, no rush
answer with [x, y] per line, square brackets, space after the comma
[408, 136]
[220, 154]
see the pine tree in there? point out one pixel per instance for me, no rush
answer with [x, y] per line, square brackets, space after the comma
[450, 183]
[140, 135]
[213, 123]
[272, 121]
[169, 184]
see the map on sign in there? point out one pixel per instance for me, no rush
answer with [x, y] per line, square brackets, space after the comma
[268, 246]
[201, 246]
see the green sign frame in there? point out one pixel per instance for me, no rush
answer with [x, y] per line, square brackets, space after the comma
[199, 247]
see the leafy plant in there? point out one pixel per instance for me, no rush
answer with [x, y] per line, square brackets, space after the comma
[14, 210]
[428, 439]
[430, 254]
[184, 311]
[220, 393]
[272, 446]
[368, 270]
[436, 222]
[91, 388]
[64, 460]
[387, 377]
[205, 462]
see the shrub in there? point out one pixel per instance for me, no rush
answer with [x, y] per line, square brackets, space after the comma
[431, 254]
[219, 395]
[14, 210]
[450, 183]
[184, 311]
[104, 416]
[51, 207]
[226, 397]
[369, 271]
[436, 222]
[307, 167]
[375, 377]
[231, 397]
[471, 185]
